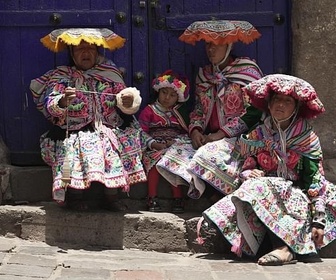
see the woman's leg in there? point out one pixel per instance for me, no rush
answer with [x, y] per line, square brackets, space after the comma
[153, 181]
[178, 201]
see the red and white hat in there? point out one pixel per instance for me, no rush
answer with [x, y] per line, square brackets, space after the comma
[259, 93]
[175, 81]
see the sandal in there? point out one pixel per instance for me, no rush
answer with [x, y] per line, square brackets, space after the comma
[273, 259]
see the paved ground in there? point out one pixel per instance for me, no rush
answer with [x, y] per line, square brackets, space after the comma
[27, 260]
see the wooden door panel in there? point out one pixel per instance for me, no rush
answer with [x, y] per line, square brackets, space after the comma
[271, 51]
[151, 29]
[23, 57]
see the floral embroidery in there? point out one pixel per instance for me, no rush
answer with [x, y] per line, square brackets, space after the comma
[108, 101]
[249, 163]
[292, 159]
[266, 161]
[79, 106]
[233, 101]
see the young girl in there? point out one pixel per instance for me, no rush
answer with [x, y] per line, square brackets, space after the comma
[166, 121]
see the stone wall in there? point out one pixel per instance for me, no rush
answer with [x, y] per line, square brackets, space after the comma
[313, 59]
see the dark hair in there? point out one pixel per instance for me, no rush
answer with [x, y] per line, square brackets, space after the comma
[272, 94]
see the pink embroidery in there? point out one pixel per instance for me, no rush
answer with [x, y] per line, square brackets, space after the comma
[233, 103]
[249, 163]
[266, 161]
[59, 88]
[292, 159]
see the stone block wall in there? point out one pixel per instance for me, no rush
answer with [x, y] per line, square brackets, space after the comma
[313, 59]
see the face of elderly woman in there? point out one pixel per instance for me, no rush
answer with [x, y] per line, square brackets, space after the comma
[84, 55]
[282, 107]
[215, 53]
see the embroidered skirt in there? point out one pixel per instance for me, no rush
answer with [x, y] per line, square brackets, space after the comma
[269, 202]
[111, 156]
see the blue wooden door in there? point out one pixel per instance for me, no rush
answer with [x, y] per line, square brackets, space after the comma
[171, 18]
[22, 58]
[151, 27]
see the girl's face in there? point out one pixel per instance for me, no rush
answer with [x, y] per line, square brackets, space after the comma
[215, 53]
[167, 97]
[84, 55]
[282, 106]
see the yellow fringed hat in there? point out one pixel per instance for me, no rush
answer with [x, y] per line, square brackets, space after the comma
[220, 32]
[59, 39]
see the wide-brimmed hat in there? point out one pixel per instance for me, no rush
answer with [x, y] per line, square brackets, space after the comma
[220, 32]
[259, 92]
[175, 81]
[59, 39]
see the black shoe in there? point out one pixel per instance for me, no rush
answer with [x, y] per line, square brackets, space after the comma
[153, 205]
[178, 206]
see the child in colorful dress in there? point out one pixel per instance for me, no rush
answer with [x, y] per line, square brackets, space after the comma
[166, 121]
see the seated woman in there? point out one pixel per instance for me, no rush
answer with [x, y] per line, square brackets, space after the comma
[91, 145]
[220, 110]
[284, 193]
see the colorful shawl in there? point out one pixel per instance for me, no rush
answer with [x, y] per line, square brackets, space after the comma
[300, 139]
[210, 84]
[105, 71]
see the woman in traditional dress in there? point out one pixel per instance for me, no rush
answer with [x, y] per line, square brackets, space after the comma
[166, 121]
[284, 193]
[220, 107]
[89, 106]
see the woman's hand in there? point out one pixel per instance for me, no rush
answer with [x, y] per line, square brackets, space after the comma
[158, 146]
[162, 145]
[69, 94]
[211, 137]
[127, 100]
[197, 139]
[251, 173]
[317, 236]
[169, 143]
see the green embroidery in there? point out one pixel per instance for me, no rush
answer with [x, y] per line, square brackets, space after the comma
[110, 103]
[101, 86]
[76, 107]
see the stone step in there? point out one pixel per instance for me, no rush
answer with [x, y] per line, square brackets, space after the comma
[50, 223]
[34, 216]
[30, 184]
[143, 230]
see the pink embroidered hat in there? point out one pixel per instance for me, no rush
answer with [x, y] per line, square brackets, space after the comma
[220, 32]
[175, 81]
[259, 93]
